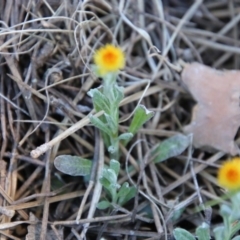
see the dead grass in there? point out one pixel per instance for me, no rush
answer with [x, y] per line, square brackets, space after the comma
[46, 49]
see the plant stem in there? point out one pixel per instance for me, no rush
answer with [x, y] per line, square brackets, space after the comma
[108, 86]
[115, 144]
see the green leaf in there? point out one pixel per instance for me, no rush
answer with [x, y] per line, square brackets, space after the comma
[131, 194]
[219, 232]
[118, 93]
[115, 166]
[235, 228]
[109, 182]
[124, 190]
[113, 125]
[225, 210]
[106, 137]
[105, 182]
[125, 136]
[73, 165]
[141, 116]
[99, 124]
[57, 182]
[235, 199]
[103, 205]
[107, 186]
[171, 147]
[125, 193]
[110, 175]
[202, 232]
[182, 234]
[100, 101]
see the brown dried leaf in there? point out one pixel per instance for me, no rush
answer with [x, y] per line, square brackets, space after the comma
[216, 117]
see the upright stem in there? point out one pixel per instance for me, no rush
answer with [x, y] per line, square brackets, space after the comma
[115, 144]
[108, 85]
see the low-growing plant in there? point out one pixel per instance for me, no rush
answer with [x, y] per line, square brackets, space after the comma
[107, 98]
[229, 178]
[108, 60]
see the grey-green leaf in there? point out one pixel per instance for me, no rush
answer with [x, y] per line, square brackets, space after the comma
[112, 124]
[109, 182]
[105, 182]
[171, 147]
[103, 205]
[124, 190]
[100, 101]
[118, 93]
[125, 193]
[235, 228]
[125, 136]
[182, 234]
[202, 232]
[73, 165]
[141, 116]
[110, 175]
[99, 124]
[225, 210]
[219, 232]
[115, 166]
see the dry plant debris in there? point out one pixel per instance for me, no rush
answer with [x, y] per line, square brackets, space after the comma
[216, 117]
[46, 50]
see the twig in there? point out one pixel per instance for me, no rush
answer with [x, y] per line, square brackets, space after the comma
[97, 189]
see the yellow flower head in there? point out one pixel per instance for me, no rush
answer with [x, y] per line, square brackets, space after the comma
[109, 59]
[229, 174]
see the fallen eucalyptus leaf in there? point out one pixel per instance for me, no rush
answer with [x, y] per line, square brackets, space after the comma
[216, 117]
